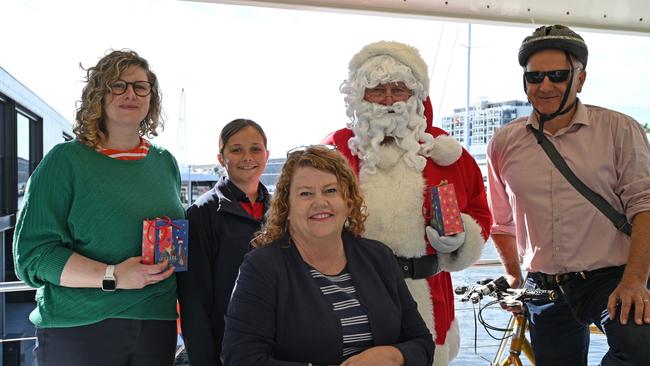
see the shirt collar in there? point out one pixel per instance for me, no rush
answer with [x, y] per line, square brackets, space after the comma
[241, 196]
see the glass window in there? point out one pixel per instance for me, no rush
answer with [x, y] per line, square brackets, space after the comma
[23, 148]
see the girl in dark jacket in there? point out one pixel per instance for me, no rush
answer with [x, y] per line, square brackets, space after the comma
[222, 224]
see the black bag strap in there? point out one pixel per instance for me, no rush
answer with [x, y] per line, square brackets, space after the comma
[618, 219]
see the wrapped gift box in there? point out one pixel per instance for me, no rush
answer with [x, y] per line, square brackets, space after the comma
[445, 212]
[163, 238]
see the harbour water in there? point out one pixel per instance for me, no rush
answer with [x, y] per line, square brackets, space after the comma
[479, 339]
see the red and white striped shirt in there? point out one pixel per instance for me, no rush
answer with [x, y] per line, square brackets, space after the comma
[137, 153]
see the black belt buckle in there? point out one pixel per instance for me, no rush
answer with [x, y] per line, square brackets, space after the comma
[406, 265]
[417, 268]
[559, 279]
[564, 278]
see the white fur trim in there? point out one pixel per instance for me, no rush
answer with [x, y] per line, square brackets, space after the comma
[469, 252]
[403, 53]
[446, 150]
[444, 353]
[453, 339]
[391, 203]
[394, 210]
[421, 293]
[441, 355]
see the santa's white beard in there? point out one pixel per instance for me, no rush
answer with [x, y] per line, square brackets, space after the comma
[401, 121]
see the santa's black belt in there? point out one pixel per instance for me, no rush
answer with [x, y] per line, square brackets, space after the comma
[417, 268]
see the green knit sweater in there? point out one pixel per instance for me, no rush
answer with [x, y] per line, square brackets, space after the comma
[81, 201]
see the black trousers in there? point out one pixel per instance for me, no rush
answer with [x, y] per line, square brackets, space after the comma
[112, 342]
[560, 331]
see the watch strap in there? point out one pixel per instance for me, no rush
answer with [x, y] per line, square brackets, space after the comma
[110, 272]
[109, 283]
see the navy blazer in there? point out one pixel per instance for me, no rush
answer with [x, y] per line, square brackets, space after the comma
[278, 316]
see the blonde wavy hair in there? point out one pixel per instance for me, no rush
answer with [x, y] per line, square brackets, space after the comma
[90, 125]
[324, 159]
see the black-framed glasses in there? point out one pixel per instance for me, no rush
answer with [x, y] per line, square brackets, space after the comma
[140, 88]
[555, 76]
[302, 148]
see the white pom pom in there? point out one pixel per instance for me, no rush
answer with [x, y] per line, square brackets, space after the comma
[446, 150]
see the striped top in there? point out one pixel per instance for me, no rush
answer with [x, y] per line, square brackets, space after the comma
[137, 153]
[339, 290]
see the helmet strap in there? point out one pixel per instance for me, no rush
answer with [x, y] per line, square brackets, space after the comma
[547, 117]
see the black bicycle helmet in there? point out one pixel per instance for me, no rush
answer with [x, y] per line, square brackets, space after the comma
[557, 37]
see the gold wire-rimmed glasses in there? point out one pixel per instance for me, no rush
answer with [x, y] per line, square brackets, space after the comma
[398, 91]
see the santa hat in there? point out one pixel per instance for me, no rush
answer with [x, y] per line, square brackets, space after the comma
[401, 52]
[446, 150]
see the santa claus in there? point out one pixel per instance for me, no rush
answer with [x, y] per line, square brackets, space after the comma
[399, 156]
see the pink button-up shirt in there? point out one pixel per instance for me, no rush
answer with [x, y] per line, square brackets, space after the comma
[556, 228]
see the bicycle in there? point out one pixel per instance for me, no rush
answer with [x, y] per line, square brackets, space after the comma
[518, 324]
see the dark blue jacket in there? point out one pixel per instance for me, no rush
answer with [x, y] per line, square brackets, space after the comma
[219, 236]
[278, 316]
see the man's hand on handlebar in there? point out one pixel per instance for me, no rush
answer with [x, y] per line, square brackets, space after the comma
[510, 299]
[514, 282]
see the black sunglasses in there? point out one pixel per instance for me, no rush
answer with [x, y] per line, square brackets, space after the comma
[555, 76]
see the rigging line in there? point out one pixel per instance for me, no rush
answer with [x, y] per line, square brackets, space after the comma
[435, 55]
[444, 85]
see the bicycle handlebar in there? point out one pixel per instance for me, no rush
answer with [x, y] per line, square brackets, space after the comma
[500, 289]
[540, 295]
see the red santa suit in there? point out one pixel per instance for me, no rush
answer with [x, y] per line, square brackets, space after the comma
[399, 209]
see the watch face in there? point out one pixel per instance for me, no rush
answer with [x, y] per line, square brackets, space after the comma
[108, 285]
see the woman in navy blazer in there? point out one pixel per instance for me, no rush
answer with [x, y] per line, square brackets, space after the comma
[315, 292]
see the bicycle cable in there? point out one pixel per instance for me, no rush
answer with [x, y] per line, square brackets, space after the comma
[476, 335]
[487, 326]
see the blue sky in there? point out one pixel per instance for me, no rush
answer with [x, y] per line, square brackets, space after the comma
[279, 67]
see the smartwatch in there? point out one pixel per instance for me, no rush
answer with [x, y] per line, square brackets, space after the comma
[109, 283]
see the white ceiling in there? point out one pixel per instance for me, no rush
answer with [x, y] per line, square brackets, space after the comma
[626, 16]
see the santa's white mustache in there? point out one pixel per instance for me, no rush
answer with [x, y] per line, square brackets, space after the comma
[380, 120]
[400, 120]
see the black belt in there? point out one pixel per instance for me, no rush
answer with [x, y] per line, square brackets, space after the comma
[417, 268]
[551, 280]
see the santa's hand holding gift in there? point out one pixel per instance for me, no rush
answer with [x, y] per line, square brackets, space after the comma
[399, 156]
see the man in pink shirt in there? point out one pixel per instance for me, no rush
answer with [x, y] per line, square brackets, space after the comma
[564, 242]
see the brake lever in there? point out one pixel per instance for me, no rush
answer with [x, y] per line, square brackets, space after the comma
[511, 302]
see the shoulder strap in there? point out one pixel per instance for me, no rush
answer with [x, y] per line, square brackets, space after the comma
[618, 219]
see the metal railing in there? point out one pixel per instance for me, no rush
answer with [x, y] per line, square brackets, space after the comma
[14, 286]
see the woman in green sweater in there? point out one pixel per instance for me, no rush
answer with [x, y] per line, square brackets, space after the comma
[79, 236]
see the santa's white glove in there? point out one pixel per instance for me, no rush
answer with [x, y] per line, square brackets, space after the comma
[444, 244]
